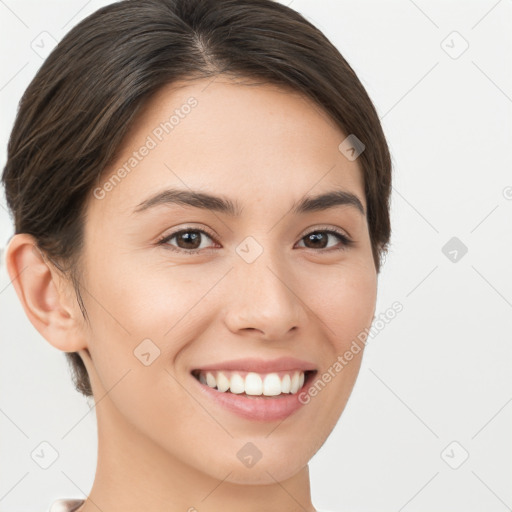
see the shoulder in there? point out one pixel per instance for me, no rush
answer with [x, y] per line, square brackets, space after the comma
[65, 505]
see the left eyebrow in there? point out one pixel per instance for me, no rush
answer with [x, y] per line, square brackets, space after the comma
[328, 200]
[221, 204]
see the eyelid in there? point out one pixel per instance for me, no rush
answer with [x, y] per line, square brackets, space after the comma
[163, 239]
[326, 227]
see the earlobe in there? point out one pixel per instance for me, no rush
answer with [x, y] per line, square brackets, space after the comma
[42, 291]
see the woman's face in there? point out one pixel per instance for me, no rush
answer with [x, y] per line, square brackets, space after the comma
[263, 281]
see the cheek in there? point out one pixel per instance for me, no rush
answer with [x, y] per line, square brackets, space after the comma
[135, 299]
[142, 316]
[344, 299]
[130, 314]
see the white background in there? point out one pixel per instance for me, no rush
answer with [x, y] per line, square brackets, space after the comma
[441, 370]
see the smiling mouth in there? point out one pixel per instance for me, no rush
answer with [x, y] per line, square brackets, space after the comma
[252, 384]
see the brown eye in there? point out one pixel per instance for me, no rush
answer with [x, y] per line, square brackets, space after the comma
[319, 239]
[187, 240]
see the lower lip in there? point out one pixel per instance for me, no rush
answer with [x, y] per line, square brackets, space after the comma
[258, 408]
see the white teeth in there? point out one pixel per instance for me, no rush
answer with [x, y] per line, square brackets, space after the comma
[236, 384]
[210, 380]
[295, 383]
[286, 384]
[272, 385]
[254, 384]
[222, 382]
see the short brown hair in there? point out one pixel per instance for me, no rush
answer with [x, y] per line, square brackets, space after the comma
[75, 113]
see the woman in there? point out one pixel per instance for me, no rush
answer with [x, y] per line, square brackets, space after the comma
[200, 191]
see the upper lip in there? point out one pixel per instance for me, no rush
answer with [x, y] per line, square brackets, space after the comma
[261, 365]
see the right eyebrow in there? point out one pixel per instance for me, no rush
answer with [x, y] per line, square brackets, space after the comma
[191, 198]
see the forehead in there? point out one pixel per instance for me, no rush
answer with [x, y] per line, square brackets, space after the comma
[253, 142]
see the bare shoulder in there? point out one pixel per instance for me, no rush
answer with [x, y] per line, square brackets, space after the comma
[65, 505]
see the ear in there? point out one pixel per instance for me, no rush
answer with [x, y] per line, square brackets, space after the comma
[45, 294]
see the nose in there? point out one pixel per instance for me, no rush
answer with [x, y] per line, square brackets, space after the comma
[264, 299]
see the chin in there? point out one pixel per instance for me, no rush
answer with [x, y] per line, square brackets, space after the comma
[268, 464]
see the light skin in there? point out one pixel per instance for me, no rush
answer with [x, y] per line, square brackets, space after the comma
[161, 444]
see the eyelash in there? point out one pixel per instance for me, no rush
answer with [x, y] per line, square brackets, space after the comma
[345, 240]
